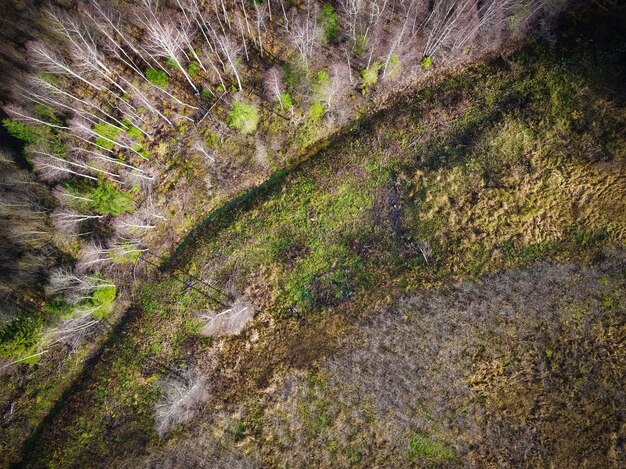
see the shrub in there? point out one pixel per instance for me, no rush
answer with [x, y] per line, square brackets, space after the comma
[25, 132]
[294, 73]
[103, 298]
[126, 253]
[329, 23]
[426, 62]
[108, 132]
[47, 113]
[370, 75]
[105, 198]
[108, 200]
[316, 111]
[393, 69]
[19, 338]
[157, 77]
[243, 117]
[134, 133]
[320, 83]
[193, 67]
[284, 101]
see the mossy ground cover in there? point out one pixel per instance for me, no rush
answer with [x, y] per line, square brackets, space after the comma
[502, 165]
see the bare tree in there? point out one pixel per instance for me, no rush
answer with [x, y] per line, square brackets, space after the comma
[273, 85]
[21, 114]
[181, 401]
[68, 221]
[424, 247]
[131, 224]
[76, 287]
[164, 39]
[42, 57]
[231, 321]
[305, 34]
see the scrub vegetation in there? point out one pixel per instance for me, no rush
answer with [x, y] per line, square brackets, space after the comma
[290, 241]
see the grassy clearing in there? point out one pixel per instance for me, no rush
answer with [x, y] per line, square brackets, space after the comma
[483, 170]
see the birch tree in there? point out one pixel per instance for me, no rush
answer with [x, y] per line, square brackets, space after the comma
[164, 38]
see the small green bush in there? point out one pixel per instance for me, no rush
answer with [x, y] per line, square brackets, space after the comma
[105, 198]
[126, 254]
[47, 114]
[394, 66]
[360, 45]
[19, 338]
[321, 80]
[108, 132]
[316, 112]
[103, 298]
[108, 200]
[158, 77]
[294, 73]
[193, 67]
[284, 101]
[134, 133]
[59, 307]
[329, 22]
[49, 77]
[25, 132]
[370, 75]
[426, 62]
[244, 117]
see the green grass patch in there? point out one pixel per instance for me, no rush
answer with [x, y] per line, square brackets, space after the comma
[424, 447]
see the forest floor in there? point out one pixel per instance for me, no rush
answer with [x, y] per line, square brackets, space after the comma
[444, 285]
